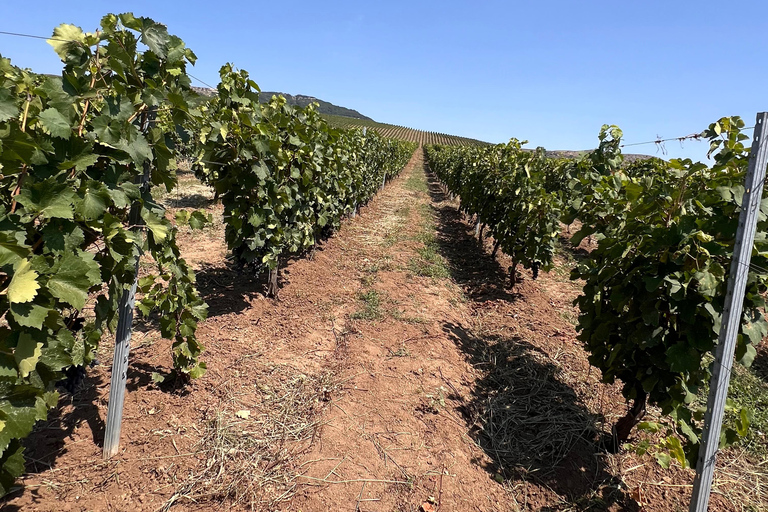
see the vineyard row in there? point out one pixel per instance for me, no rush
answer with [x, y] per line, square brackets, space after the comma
[81, 155]
[654, 285]
[403, 133]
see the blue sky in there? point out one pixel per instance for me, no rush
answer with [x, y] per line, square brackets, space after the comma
[550, 71]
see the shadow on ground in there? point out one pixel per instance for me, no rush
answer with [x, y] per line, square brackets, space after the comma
[532, 425]
[229, 288]
[576, 253]
[44, 445]
[482, 276]
[188, 201]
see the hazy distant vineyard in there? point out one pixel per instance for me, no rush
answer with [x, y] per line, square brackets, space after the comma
[402, 133]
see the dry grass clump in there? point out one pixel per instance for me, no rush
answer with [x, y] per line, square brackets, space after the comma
[532, 416]
[249, 456]
[742, 479]
[524, 416]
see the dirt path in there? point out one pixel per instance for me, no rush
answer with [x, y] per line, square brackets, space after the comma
[395, 373]
[454, 397]
[392, 436]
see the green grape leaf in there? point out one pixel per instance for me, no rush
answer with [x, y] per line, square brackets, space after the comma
[12, 250]
[676, 450]
[59, 352]
[12, 462]
[755, 331]
[29, 314]
[81, 162]
[197, 371]
[65, 37]
[8, 108]
[64, 236]
[24, 285]
[56, 123]
[94, 203]
[743, 422]
[664, 460]
[199, 310]
[27, 354]
[198, 219]
[18, 416]
[746, 353]
[154, 35]
[158, 226]
[682, 358]
[139, 149]
[53, 89]
[182, 217]
[75, 275]
[48, 200]
[156, 38]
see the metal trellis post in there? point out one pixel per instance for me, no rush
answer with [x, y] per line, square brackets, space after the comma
[123, 333]
[731, 321]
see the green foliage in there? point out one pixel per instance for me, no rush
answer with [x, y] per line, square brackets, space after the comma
[283, 175]
[748, 395]
[78, 156]
[557, 178]
[654, 288]
[593, 194]
[429, 263]
[371, 306]
[504, 186]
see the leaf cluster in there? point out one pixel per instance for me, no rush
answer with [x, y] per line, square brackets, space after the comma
[654, 288]
[505, 187]
[79, 155]
[284, 176]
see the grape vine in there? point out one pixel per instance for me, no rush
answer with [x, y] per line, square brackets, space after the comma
[74, 151]
[654, 287]
[504, 187]
[80, 155]
[283, 175]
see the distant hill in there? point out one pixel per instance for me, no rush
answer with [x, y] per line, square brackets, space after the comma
[342, 117]
[628, 157]
[402, 132]
[301, 100]
[325, 107]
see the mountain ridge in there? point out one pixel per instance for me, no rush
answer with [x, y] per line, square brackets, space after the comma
[325, 107]
[301, 100]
